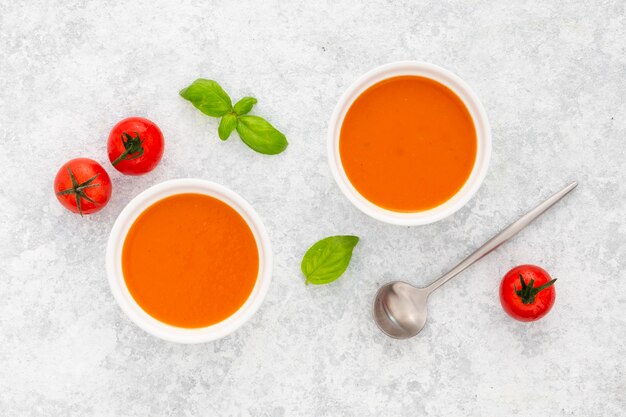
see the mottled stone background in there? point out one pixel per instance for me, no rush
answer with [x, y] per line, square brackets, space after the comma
[551, 75]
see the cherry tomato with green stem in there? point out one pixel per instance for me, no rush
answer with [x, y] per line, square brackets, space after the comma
[135, 146]
[527, 293]
[82, 186]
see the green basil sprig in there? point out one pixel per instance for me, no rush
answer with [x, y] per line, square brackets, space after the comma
[256, 132]
[328, 259]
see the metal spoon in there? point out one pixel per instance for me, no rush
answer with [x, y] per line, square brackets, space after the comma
[400, 308]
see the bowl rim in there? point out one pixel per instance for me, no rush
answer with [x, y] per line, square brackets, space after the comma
[483, 139]
[131, 308]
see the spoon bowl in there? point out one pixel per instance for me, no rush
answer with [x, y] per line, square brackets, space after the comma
[400, 310]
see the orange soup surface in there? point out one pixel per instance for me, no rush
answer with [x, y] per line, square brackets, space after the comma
[190, 260]
[408, 144]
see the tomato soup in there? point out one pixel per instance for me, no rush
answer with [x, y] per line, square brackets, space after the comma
[190, 260]
[408, 144]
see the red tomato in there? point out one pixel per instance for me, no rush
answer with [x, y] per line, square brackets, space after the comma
[135, 146]
[82, 186]
[527, 293]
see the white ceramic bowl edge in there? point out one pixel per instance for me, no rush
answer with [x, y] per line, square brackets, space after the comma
[483, 136]
[114, 265]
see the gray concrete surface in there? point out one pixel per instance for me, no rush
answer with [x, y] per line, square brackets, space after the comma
[551, 75]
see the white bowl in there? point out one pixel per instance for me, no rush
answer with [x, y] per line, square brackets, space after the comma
[483, 137]
[128, 303]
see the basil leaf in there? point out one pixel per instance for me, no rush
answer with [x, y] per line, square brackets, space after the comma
[208, 97]
[227, 125]
[257, 133]
[244, 105]
[325, 261]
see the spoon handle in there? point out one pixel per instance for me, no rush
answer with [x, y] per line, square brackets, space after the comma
[502, 237]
